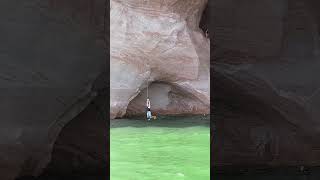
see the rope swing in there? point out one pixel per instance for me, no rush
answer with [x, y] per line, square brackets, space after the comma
[147, 89]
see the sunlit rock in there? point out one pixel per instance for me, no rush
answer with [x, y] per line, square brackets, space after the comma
[157, 41]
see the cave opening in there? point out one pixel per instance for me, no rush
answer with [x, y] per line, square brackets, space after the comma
[166, 99]
[158, 93]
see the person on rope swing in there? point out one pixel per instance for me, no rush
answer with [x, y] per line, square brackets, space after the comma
[149, 115]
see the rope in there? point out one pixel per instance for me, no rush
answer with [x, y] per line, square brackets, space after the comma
[147, 90]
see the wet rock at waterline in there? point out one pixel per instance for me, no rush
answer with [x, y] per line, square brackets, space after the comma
[158, 41]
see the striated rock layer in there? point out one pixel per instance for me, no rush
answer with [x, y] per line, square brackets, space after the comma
[158, 41]
[266, 85]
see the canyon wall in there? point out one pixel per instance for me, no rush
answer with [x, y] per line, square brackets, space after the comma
[51, 55]
[266, 87]
[158, 42]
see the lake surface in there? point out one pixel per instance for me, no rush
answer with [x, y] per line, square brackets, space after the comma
[168, 148]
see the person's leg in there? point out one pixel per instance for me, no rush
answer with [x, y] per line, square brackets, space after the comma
[148, 115]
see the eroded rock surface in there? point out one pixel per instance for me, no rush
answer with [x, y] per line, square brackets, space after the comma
[266, 68]
[157, 41]
[51, 53]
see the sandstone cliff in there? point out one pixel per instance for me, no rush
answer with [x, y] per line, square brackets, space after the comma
[160, 43]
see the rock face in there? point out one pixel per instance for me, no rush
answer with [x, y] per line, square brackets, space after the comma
[51, 54]
[80, 150]
[266, 86]
[158, 41]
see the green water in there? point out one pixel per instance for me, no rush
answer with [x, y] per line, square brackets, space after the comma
[169, 148]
